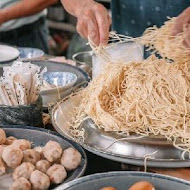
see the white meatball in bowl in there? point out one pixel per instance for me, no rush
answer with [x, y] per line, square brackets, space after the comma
[2, 136]
[22, 144]
[12, 156]
[57, 173]
[39, 180]
[52, 151]
[21, 184]
[2, 167]
[43, 165]
[30, 155]
[1, 149]
[24, 170]
[10, 140]
[70, 159]
[40, 150]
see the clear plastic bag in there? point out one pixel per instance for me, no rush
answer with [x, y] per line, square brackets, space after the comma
[124, 51]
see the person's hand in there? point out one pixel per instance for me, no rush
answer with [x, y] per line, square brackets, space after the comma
[93, 19]
[182, 24]
[2, 17]
[94, 22]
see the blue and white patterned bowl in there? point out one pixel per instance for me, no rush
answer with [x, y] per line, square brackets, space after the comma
[60, 79]
[57, 85]
[29, 53]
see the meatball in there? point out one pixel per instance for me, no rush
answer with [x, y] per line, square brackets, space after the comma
[2, 136]
[2, 167]
[21, 184]
[10, 140]
[1, 149]
[12, 156]
[43, 165]
[52, 151]
[31, 156]
[57, 173]
[70, 159]
[40, 150]
[22, 144]
[39, 180]
[24, 170]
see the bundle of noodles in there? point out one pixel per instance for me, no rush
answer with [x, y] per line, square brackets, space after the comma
[160, 40]
[151, 97]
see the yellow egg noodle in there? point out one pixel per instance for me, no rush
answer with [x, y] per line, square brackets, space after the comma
[151, 97]
[161, 40]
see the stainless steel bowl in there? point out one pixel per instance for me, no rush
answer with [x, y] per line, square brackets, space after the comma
[83, 58]
[84, 61]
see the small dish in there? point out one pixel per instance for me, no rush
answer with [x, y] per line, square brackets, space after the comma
[83, 58]
[57, 85]
[26, 53]
[8, 53]
[59, 79]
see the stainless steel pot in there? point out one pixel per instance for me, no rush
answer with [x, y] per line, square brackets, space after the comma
[84, 60]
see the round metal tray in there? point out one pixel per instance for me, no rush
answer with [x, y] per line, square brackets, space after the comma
[131, 150]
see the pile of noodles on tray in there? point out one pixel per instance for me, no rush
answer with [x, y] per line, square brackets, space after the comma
[151, 97]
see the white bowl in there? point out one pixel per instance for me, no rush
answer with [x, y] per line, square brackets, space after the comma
[56, 86]
[26, 53]
[8, 53]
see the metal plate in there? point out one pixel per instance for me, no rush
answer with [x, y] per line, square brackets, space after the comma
[123, 180]
[40, 137]
[8, 53]
[131, 150]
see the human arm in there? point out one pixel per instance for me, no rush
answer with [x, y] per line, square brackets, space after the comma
[23, 8]
[93, 20]
[182, 24]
